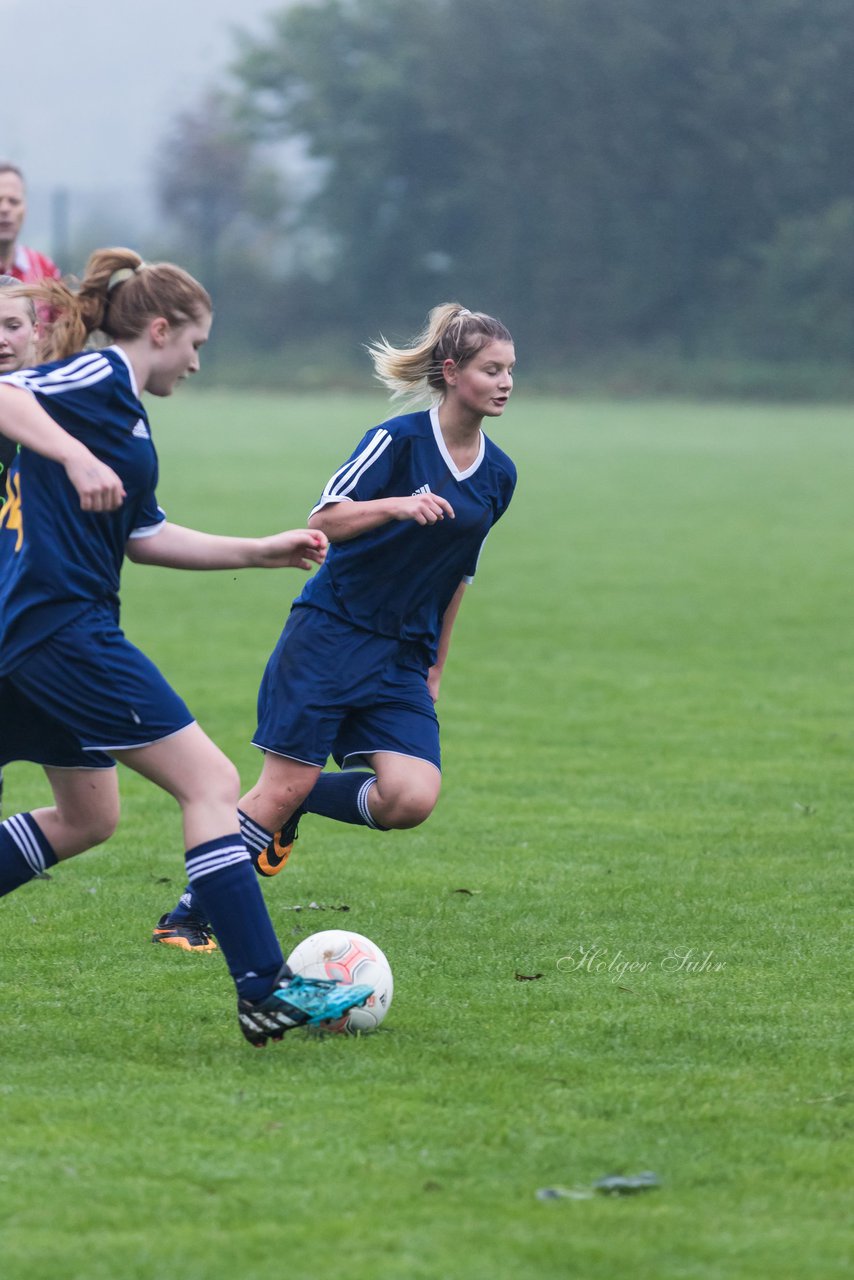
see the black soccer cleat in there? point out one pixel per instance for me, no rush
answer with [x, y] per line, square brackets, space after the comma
[189, 935]
[297, 1002]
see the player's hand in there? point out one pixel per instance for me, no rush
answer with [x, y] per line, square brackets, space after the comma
[424, 508]
[434, 676]
[97, 485]
[293, 549]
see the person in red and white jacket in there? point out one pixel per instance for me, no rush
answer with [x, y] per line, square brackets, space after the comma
[16, 259]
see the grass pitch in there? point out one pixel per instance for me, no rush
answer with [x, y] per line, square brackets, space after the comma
[618, 944]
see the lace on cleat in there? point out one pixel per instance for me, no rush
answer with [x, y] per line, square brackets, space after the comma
[273, 856]
[188, 935]
[297, 1002]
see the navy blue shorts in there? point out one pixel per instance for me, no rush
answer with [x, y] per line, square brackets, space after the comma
[331, 689]
[84, 693]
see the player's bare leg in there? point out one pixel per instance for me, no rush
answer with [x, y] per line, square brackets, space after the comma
[205, 783]
[405, 792]
[273, 805]
[201, 778]
[85, 811]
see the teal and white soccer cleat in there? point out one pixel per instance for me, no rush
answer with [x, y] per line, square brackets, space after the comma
[297, 1002]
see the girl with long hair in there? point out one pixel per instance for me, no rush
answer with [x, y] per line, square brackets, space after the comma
[75, 695]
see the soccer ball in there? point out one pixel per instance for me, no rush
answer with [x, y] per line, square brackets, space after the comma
[348, 957]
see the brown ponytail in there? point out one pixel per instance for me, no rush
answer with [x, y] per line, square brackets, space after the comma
[118, 295]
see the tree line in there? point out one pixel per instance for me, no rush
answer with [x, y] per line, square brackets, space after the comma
[602, 174]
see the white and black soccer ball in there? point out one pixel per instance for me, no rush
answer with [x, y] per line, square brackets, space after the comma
[348, 957]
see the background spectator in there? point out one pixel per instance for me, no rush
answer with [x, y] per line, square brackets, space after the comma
[16, 259]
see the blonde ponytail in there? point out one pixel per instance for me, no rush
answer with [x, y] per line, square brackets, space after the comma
[452, 332]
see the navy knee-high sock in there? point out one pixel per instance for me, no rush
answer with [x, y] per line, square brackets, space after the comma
[25, 852]
[344, 797]
[189, 908]
[223, 880]
[340, 796]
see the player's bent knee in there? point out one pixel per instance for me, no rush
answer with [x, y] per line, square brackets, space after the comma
[408, 811]
[100, 832]
[413, 816]
[82, 832]
[99, 825]
[221, 781]
[405, 793]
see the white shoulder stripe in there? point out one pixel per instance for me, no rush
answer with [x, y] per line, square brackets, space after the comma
[83, 361]
[348, 476]
[86, 371]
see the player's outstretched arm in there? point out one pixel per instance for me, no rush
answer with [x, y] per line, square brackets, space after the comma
[346, 519]
[175, 547]
[23, 420]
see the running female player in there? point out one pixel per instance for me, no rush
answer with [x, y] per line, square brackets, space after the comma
[356, 672]
[75, 695]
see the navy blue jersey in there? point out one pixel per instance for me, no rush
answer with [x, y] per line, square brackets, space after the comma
[56, 560]
[398, 579]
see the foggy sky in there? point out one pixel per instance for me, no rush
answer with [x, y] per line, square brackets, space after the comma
[91, 87]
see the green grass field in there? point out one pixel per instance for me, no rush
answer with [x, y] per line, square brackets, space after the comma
[648, 731]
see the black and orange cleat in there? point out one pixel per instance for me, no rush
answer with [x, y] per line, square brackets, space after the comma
[188, 935]
[273, 856]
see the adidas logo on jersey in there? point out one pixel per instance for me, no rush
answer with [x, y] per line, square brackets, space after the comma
[141, 431]
[424, 488]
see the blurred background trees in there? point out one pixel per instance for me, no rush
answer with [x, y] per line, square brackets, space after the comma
[608, 176]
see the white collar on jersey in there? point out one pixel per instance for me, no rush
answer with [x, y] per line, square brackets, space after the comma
[443, 449]
[119, 352]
